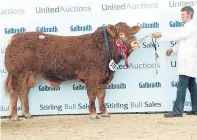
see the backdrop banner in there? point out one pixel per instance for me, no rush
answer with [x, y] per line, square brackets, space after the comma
[137, 89]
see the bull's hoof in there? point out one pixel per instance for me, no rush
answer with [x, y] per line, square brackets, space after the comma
[28, 116]
[94, 117]
[15, 118]
[105, 114]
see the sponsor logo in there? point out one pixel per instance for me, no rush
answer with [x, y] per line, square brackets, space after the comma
[176, 24]
[149, 85]
[173, 64]
[174, 83]
[118, 105]
[145, 104]
[3, 50]
[148, 25]
[76, 28]
[51, 107]
[3, 71]
[12, 11]
[48, 88]
[14, 30]
[140, 66]
[185, 103]
[47, 29]
[59, 9]
[109, 86]
[173, 43]
[125, 6]
[6, 108]
[149, 44]
[125, 106]
[115, 105]
[182, 3]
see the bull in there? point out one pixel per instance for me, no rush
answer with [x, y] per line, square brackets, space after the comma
[55, 58]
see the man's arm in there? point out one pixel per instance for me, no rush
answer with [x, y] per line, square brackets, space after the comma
[179, 35]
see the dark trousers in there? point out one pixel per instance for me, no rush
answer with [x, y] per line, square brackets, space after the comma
[184, 83]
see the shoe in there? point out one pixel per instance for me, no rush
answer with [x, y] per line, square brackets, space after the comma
[171, 114]
[191, 113]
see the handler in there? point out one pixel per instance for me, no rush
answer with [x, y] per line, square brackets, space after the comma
[186, 61]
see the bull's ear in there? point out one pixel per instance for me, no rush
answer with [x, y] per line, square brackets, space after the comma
[135, 29]
[111, 30]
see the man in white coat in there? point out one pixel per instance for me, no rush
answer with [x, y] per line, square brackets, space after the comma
[186, 61]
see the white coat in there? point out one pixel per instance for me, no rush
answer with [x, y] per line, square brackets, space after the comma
[187, 50]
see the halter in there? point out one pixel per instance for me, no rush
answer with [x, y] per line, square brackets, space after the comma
[128, 38]
[122, 48]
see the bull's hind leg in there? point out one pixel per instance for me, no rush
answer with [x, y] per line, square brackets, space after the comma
[101, 98]
[28, 81]
[25, 102]
[13, 106]
[14, 88]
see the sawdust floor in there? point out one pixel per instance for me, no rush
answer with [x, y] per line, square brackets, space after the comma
[117, 127]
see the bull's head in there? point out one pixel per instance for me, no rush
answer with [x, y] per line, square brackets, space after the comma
[126, 34]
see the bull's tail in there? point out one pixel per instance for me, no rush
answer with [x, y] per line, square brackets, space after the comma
[13, 84]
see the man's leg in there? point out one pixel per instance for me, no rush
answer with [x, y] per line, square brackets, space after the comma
[180, 99]
[193, 94]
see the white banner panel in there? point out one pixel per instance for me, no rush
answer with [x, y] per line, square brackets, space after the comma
[137, 89]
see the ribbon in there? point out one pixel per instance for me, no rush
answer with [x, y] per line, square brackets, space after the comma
[122, 49]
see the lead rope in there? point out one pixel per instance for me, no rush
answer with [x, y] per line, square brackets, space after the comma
[156, 54]
[155, 47]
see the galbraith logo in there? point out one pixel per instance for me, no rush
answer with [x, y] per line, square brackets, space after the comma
[125, 6]
[59, 9]
[149, 85]
[182, 3]
[14, 30]
[149, 44]
[176, 24]
[140, 66]
[76, 28]
[12, 11]
[109, 86]
[148, 25]
[48, 88]
[47, 29]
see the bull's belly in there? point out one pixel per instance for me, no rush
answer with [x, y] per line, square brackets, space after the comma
[59, 76]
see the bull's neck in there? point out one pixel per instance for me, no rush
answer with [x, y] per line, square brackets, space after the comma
[114, 50]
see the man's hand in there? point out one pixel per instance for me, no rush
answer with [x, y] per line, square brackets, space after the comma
[169, 51]
[156, 34]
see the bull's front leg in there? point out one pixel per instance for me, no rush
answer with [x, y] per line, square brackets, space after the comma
[101, 98]
[92, 96]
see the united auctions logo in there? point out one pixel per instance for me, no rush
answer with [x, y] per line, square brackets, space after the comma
[60, 9]
[182, 3]
[125, 6]
[12, 11]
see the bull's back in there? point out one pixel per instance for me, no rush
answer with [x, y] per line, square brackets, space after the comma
[56, 58]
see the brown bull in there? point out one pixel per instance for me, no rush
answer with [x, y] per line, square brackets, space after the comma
[59, 58]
